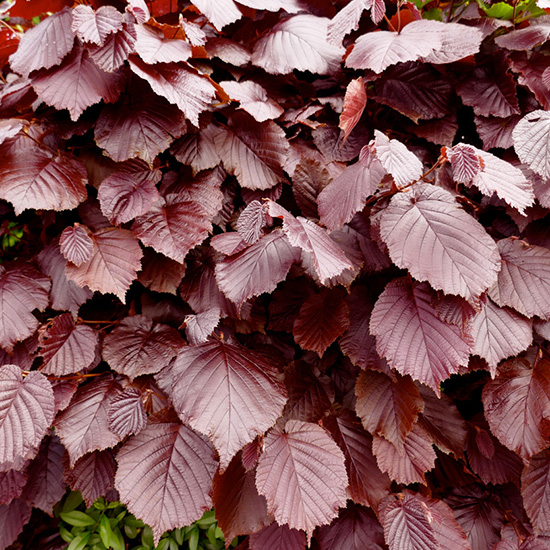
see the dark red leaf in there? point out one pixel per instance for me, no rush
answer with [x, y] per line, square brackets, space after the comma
[278, 537]
[525, 38]
[535, 481]
[94, 27]
[302, 474]
[531, 67]
[248, 398]
[250, 223]
[76, 245]
[164, 475]
[126, 414]
[93, 475]
[13, 517]
[160, 273]
[136, 347]
[309, 179]
[197, 150]
[112, 54]
[199, 327]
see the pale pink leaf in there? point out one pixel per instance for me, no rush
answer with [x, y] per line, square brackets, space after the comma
[76, 245]
[302, 474]
[94, 27]
[200, 326]
[152, 47]
[10, 128]
[420, 227]
[457, 42]
[253, 99]
[413, 339]
[251, 222]
[113, 265]
[465, 162]
[532, 141]
[219, 12]
[299, 42]
[346, 20]
[126, 414]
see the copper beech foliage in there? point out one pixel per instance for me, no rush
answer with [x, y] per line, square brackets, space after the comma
[289, 259]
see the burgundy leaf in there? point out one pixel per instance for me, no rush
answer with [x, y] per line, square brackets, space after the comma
[535, 483]
[240, 510]
[179, 84]
[309, 179]
[65, 294]
[415, 90]
[38, 180]
[22, 289]
[355, 101]
[302, 474]
[142, 128]
[496, 132]
[408, 462]
[136, 347]
[128, 192]
[93, 475]
[420, 227]
[164, 475]
[346, 194]
[327, 257]
[367, 485]
[524, 280]
[253, 152]
[397, 160]
[387, 408]
[13, 517]
[278, 537]
[531, 67]
[329, 140]
[112, 54]
[526, 38]
[152, 47]
[516, 406]
[11, 485]
[94, 27]
[126, 414]
[199, 327]
[323, 317]
[76, 244]
[253, 99]
[257, 269]
[251, 222]
[26, 413]
[160, 273]
[45, 485]
[227, 392]
[532, 141]
[83, 426]
[299, 42]
[413, 338]
[499, 333]
[45, 45]
[66, 347]
[198, 150]
[113, 265]
[77, 84]
[407, 523]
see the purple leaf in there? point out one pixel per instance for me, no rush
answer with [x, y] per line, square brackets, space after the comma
[253, 99]
[257, 269]
[93, 475]
[83, 426]
[11, 485]
[113, 265]
[278, 537]
[532, 141]
[94, 27]
[408, 462]
[531, 67]
[179, 84]
[310, 177]
[535, 482]
[77, 84]
[302, 474]
[412, 338]
[420, 227]
[253, 152]
[367, 484]
[13, 517]
[323, 317]
[136, 347]
[197, 150]
[251, 222]
[499, 333]
[126, 414]
[199, 327]
[65, 294]
[152, 47]
[45, 45]
[76, 245]
[160, 273]
[45, 486]
[26, 413]
[66, 347]
[164, 475]
[112, 54]
[38, 180]
[129, 192]
[524, 280]
[173, 226]
[496, 132]
[516, 406]
[240, 510]
[299, 42]
[22, 289]
[526, 38]
[227, 392]
[397, 160]
[142, 128]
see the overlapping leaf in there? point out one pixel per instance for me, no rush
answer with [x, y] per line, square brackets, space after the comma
[126, 413]
[535, 481]
[11, 485]
[13, 517]
[241, 394]
[253, 99]
[94, 27]
[532, 141]
[153, 47]
[164, 474]
[278, 537]
[76, 245]
[113, 53]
